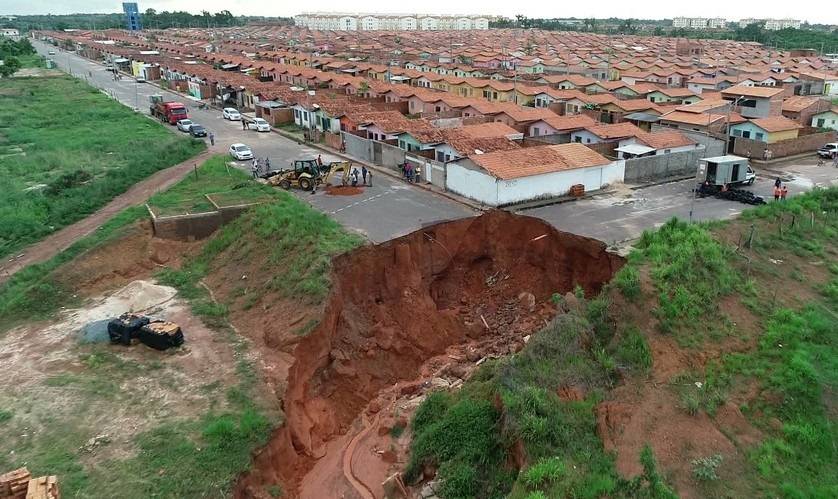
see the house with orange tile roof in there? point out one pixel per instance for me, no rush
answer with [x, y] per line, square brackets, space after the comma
[559, 125]
[700, 122]
[602, 132]
[769, 130]
[801, 108]
[507, 177]
[755, 102]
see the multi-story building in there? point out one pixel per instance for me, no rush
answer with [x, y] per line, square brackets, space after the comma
[375, 22]
[778, 24]
[699, 22]
[771, 24]
[132, 16]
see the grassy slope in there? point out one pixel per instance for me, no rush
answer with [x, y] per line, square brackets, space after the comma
[83, 146]
[468, 435]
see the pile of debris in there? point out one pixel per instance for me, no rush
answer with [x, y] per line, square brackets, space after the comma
[741, 195]
[155, 333]
[19, 484]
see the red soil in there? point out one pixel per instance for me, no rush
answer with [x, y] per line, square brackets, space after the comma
[395, 306]
[343, 190]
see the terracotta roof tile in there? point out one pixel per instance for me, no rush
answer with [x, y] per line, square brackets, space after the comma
[528, 161]
[665, 139]
[776, 124]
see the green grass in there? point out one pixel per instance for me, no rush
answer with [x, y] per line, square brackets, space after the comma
[33, 293]
[469, 434]
[66, 150]
[213, 177]
[302, 244]
[690, 271]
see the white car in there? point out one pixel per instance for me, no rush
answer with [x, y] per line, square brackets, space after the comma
[184, 125]
[241, 152]
[231, 114]
[140, 79]
[259, 125]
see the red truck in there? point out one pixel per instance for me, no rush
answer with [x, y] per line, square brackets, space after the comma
[170, 112]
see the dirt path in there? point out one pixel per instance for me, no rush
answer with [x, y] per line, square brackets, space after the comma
[59, 241]
[359, 486]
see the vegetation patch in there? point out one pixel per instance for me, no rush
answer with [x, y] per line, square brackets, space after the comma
[74, 150]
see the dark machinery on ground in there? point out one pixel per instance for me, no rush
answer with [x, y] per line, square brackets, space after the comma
[306, 172]
[155, 333]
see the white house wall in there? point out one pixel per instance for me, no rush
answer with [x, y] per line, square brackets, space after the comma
[482, 187]
[473, 184]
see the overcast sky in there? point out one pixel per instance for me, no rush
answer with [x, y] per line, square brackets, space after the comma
[649, 9]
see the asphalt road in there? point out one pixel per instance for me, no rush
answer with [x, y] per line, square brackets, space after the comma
[625, 214]
[388, 209]
[392, 208]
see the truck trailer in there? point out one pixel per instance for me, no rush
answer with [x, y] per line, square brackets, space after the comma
[169, 112]
[725, 170]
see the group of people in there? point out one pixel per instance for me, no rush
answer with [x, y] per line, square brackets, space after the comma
[410, 173]
[256, 166]
[364, 175]
[780, 190]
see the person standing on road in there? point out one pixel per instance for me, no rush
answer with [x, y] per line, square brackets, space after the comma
[784, 192]
[244, 124]
[254, 167]
[369, 174]
[267, 164]
[835, 160]
[319, 160]
[776, 192]
[212, 138]
[777, 182]
[364, 173]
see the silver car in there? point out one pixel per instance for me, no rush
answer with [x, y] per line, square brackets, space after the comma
[241, 152]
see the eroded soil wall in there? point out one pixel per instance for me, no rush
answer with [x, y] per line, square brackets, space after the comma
[394, 305]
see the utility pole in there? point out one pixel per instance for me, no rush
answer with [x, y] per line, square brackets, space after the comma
[727, 122]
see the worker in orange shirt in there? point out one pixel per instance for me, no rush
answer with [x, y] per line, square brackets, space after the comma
[777, 193]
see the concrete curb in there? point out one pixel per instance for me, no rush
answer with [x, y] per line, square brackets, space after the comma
[670, 180]
[557, 200]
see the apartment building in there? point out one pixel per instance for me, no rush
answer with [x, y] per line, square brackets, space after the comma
[699, 22]
[772, 24]
[376, 22]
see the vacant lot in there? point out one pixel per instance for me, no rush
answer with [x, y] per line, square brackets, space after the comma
[66, 150]
[114, 421]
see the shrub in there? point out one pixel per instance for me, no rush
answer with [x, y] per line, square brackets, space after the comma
[705, 468]
[544, 471]
[628, 282]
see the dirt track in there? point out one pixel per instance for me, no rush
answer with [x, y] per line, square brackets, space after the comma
[64, 238]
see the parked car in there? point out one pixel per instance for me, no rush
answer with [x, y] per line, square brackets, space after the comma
[51, 52]
[241, 152]
[259, 125]
[184, 125]
[231, 114]
[140, 79]
[828, 150]
[197, 130]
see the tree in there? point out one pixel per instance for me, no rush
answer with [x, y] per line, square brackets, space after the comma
[10, 66]
[658, 31]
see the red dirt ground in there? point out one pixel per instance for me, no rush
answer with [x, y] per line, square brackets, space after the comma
[395, 307]
[343, 190]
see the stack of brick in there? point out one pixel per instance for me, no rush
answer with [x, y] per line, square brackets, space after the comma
[19, 484]
[13, 485]
[45, 487]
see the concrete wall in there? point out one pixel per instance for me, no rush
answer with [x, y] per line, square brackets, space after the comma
[359, 147]
[803, 144]
[648, 168]
[433, 172]
[390, 156]
[194, 226]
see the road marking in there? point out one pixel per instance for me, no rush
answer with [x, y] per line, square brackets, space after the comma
[371, 198]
